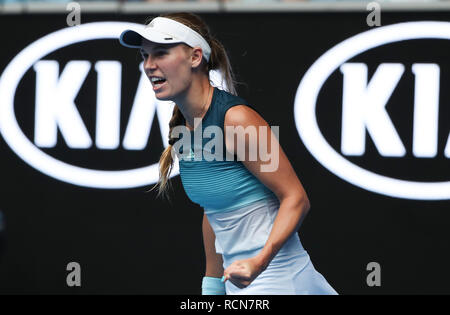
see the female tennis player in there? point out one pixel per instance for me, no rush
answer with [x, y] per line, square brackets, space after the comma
[251, 216]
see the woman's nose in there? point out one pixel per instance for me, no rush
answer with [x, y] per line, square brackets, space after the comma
[149, 63]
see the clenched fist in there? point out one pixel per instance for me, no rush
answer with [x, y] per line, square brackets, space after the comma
[242, 272]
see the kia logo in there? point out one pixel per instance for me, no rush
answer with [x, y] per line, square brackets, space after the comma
[363, 110]
[55, 109]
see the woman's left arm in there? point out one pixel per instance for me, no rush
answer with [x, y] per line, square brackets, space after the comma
[279, 177]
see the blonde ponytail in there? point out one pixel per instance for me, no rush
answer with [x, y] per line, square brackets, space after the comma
[166, 159]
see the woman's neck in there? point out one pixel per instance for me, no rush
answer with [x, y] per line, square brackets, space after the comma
[196, 101]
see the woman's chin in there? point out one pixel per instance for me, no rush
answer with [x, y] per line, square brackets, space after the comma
[162, 96]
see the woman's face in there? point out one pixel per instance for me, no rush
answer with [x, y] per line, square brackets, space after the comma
[169, 68]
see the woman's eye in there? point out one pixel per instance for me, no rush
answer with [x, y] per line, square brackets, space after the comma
[156, 54]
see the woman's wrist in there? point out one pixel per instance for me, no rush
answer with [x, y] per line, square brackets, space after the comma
[213, 286]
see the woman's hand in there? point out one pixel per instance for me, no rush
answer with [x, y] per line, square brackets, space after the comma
[242, 272]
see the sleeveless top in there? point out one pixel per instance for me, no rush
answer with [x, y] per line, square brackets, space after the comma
[221, 183]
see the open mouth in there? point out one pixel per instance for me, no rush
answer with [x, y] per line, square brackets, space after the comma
[157, 81]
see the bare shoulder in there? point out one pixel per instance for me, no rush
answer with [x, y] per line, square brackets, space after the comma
[242, 115]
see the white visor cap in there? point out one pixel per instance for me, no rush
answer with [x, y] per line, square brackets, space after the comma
[165, 31]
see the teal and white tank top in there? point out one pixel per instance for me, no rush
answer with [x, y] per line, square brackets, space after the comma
[218, 185]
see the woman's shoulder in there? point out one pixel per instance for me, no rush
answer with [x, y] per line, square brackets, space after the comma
[242, 115]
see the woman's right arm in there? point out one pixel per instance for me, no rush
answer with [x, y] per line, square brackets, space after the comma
[214, 262]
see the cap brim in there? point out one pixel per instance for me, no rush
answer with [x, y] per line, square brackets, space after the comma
[133, 38]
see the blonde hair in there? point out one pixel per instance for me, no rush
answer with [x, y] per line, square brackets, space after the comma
[217, 61]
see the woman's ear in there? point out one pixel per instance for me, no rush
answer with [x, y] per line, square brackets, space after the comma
[197, 57]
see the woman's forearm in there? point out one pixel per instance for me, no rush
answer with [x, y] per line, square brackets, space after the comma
[290, 215]
[214, 266]
[214, 261]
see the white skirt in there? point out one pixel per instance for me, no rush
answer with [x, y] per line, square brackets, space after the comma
[243, 233]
